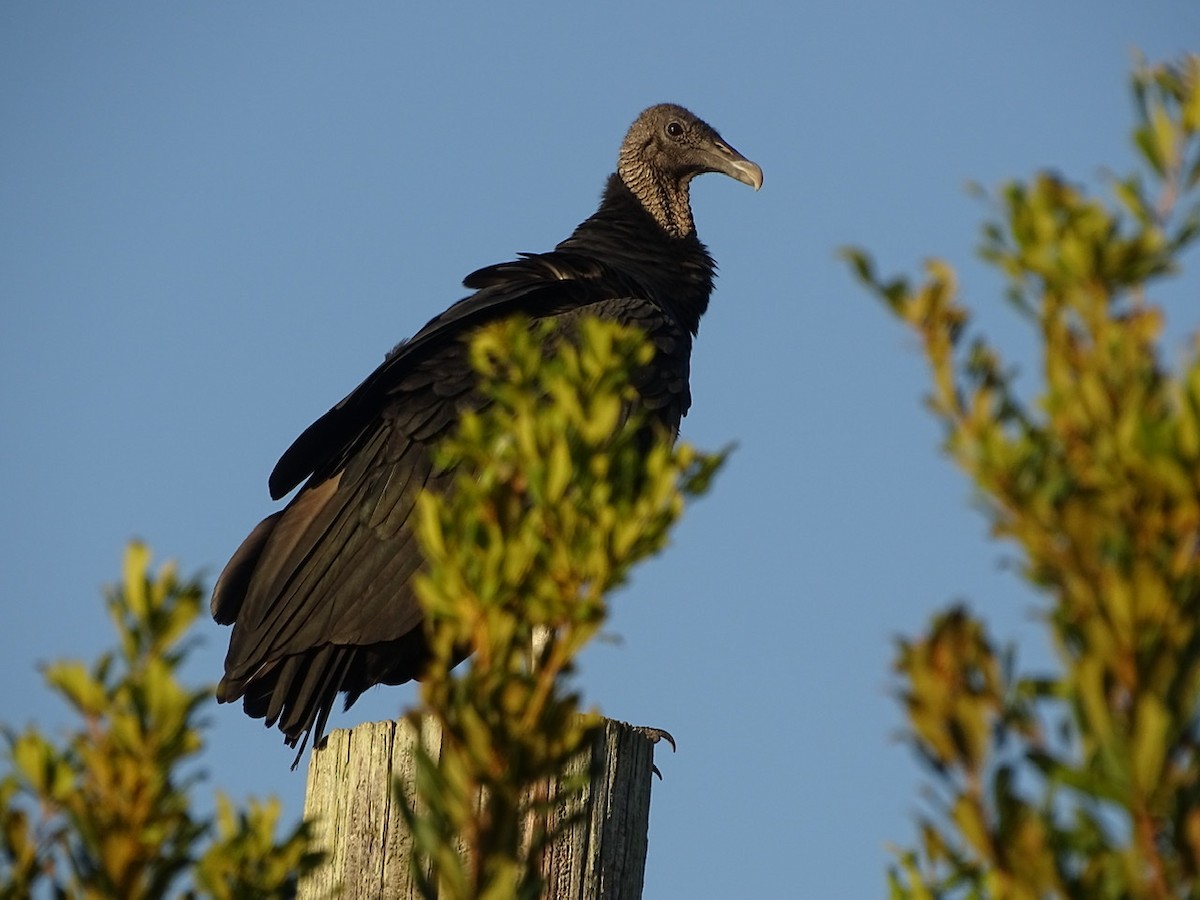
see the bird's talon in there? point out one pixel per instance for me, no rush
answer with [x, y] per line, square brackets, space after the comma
[654, 735]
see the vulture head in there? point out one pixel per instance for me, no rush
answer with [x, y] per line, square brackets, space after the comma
[666, 148]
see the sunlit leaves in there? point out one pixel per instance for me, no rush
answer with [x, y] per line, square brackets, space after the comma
[955, 691]
[245, 860]
[560, 487]
[1082, 783]
[107, 812]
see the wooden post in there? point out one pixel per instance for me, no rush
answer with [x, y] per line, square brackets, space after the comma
[602, 855]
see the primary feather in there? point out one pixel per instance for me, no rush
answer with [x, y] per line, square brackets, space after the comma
[320, 594]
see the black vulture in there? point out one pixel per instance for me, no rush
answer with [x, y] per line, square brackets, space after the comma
[320, 595]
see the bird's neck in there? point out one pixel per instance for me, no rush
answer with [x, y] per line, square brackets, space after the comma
[669, 204]
[675, 270]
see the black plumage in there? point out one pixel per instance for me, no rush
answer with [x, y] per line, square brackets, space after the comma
[320, 593]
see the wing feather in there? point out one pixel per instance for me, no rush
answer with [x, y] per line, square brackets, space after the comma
[322, 592]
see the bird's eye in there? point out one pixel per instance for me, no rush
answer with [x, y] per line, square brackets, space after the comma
[674, 129]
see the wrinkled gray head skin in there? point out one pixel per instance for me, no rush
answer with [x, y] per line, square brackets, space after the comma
[666, 148]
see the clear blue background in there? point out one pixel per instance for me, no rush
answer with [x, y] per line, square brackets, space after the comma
[216, 218]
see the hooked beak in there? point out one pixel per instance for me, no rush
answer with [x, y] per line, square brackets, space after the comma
[727, 161]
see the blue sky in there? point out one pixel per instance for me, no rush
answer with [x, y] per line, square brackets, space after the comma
[216, 218]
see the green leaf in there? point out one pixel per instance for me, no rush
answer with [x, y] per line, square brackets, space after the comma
[72, 679]
[1152, 723]
[137, 563]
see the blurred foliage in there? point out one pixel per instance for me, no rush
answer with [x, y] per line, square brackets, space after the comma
[1084, 782]
[108, 812]
[561, 486]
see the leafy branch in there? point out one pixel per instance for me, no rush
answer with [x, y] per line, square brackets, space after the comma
[1082, 783]
[562, 485]
[109, 811]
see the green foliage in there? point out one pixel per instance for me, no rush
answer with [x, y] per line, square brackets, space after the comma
[1086, 782]
[560, 488]
[107, 812]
